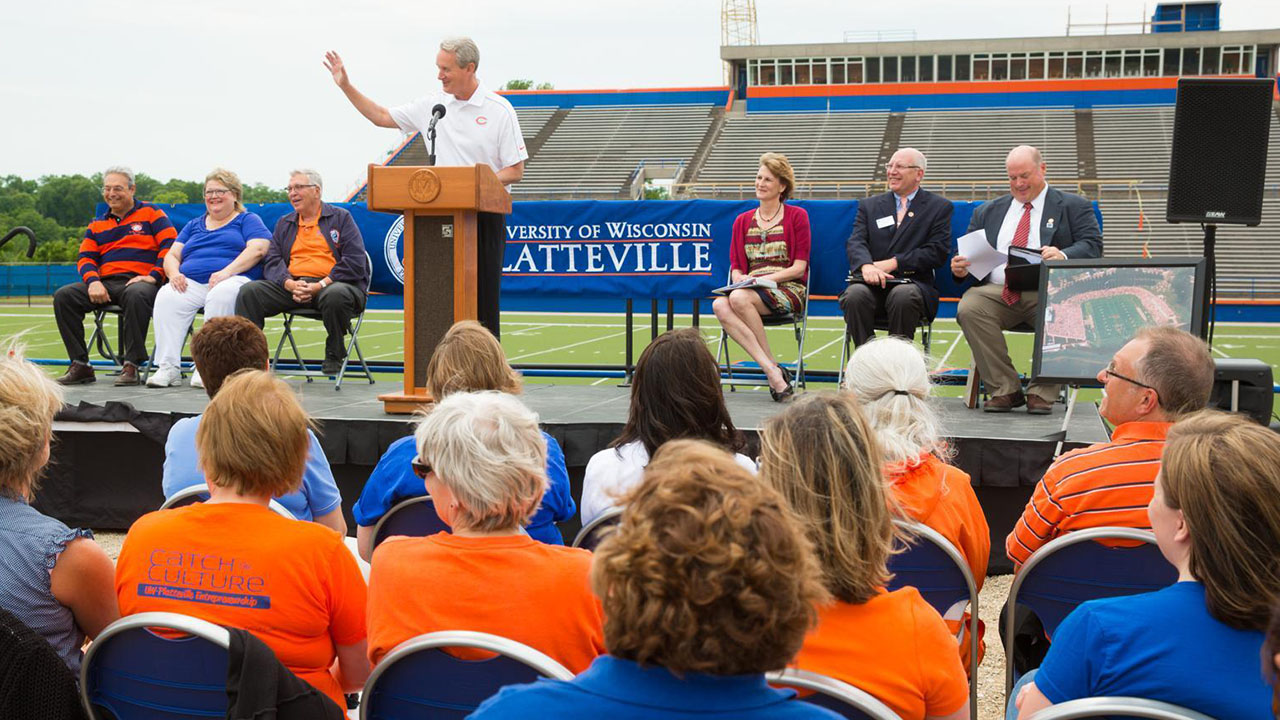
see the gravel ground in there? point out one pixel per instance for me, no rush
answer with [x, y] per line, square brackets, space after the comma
[991, 701]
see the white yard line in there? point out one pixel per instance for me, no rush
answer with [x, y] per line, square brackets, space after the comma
[572, 345]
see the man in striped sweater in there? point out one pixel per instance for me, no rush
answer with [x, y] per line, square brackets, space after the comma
[1160, 375]
[121, 262]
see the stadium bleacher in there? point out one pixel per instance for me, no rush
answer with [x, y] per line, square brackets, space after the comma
[970, 145]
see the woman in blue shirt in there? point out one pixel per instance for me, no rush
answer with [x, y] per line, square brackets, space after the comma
[211, 258]
[1195, 643]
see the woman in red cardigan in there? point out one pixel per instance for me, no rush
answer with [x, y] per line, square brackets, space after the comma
[770, 243]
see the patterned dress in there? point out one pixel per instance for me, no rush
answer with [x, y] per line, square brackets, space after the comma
[768, 252]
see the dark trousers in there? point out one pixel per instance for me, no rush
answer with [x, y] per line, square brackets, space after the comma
[337, 304]
[492, 242]
[71, 303]
[903, 305]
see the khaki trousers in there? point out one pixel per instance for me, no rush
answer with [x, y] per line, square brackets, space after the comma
[983, 317]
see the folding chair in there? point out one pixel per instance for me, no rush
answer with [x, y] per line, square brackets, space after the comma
[98, 338]
[353, 343]
[1077, 567]
[834, 695]
[882, 323]
[415, 517]
[934, 567]
[419, 679]
[200, 493]
[799, 321]
[1110, 707]
[132, 672]
[590, 536]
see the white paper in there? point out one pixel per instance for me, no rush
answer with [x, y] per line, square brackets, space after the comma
[981, 256]
[884, 222]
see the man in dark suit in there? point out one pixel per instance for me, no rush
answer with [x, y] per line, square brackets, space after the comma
[899, 239]
[1057, 224]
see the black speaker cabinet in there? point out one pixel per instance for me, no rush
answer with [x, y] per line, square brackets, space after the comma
[1244, 386]
[1219, 159]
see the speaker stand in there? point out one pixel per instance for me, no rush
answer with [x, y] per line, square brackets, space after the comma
[1209, 293]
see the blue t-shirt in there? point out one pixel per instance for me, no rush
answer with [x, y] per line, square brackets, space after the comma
[205, 252]
[620, 689]
[318, 496]
[393, 481]
[1163, 646]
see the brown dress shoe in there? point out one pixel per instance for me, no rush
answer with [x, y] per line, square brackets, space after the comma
[1004, 403]
[77, 374]
[1037, 405]
[128, 375]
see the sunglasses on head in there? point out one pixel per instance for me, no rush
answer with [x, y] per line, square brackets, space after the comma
[420, 468]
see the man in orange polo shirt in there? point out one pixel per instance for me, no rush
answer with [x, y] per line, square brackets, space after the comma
[316, 260]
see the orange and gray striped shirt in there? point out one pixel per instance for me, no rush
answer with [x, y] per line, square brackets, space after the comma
[1108, 484]
[135, 243]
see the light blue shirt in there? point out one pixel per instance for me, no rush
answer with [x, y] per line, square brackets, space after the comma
[318, 496]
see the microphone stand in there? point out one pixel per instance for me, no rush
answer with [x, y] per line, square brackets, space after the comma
[431, 138]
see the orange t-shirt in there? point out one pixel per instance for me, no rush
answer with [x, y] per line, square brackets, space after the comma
[293, 584]
[893, 646]
[310, 256]
[941, 496]
[513, 586]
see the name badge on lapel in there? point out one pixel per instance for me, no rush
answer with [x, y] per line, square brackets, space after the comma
[884, 222]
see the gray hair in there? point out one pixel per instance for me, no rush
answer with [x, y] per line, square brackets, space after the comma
[313, 177]
[889, 379]
[919, 158]
[1179, 366]
[464, 50]
[487, 449]
[119, 170]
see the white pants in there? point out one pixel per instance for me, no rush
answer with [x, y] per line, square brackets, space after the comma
[175, 310]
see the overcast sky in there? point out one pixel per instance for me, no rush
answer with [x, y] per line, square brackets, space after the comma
[175, 87]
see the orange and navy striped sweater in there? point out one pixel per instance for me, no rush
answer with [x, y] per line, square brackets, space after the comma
[136, 243]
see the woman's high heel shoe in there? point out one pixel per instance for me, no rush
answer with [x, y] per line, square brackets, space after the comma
[784, 395]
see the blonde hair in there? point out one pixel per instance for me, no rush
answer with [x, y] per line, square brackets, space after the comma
[469, 359]
[28, 401]
[253, 436]
[890, 381]
[780, 166]
[1220, 470]
[231, 181]
[487, 449]
[821, 454]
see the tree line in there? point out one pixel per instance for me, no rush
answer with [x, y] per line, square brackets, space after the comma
[58, 208]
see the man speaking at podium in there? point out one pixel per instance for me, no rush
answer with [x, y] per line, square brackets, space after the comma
[474, 125]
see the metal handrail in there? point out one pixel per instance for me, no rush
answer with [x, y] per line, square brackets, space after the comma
[22, 230]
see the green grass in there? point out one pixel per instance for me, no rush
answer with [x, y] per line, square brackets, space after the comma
[550, 338]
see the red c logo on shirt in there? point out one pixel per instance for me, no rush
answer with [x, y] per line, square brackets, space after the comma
[481, 120]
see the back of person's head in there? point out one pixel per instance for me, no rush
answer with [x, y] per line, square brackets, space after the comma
[28, 401]
[1271, 657]
[1180, 368]
[1220, 471]
[469, 359]
[487, 449]
[253, 436]
[890, 380]
[821, 454]
[224, 345]
[708, 571]
[676, 393]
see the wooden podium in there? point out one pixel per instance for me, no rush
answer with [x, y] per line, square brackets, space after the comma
[439, 206]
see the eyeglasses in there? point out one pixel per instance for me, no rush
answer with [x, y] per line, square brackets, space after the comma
[895, 166]
[215, 193]
[1110, 370]
[299, 188]
[113, 188]
[421, 469]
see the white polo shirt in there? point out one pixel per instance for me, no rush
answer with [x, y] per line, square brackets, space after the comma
[483, 129]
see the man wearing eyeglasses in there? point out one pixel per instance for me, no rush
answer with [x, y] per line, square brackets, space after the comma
[317, 261]
[899, 239]
[122, 263]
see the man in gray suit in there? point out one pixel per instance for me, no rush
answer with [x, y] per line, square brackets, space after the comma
[1059, 225]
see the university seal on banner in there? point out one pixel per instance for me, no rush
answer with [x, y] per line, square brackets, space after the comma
[424, 186]
[391, 248]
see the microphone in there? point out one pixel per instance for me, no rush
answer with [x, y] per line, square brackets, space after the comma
[437, 112]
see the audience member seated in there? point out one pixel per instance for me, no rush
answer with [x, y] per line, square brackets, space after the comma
[1271, 658]
[223, 346]
[822, 455]
[212, 258]
[675, 393]
[316, 261]
[708, 583]
[122, 262]
[55, 580]
[1197, 642]
[235, 562]
[468, 359]
[483, 461]
[890, 381]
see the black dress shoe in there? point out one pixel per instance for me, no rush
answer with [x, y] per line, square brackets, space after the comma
[783, 395]
[331, 366]
[128, 375]
[77, 374]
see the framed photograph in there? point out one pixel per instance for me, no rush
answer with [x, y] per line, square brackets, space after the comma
[1090, 308]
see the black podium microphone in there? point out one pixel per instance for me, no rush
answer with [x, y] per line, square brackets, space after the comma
[437, 112]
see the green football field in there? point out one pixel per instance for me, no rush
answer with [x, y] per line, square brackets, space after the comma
[577, 339]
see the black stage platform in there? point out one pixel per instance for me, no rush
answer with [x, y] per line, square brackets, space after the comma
[109, 449]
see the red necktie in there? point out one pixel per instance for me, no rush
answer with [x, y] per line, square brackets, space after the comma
[1020, 236]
